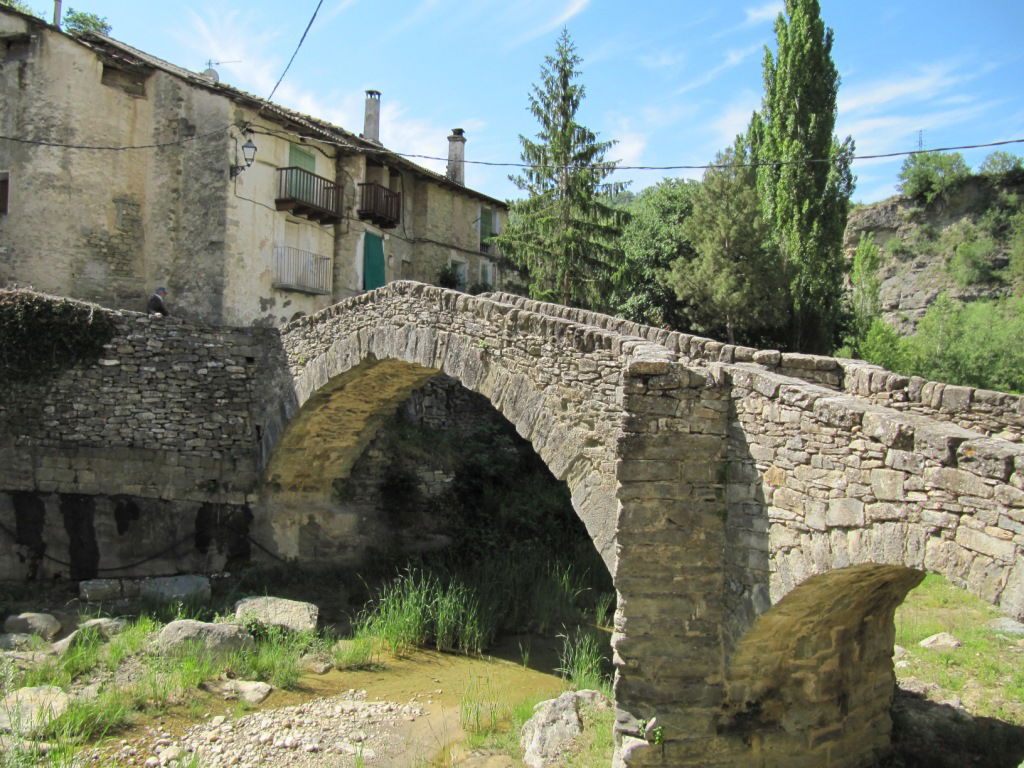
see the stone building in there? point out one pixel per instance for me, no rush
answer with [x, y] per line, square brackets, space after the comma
[320, 214]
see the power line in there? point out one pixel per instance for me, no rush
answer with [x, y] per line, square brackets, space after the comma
[612, 167]
[102, 148]
[295, 53]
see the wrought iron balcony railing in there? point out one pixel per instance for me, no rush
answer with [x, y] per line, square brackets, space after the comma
[306, 194]
[298, 270]
[379, 205]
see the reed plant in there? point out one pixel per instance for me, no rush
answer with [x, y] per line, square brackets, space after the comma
[581, 661]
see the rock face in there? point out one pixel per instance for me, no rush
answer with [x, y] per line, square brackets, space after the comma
[278, 612]
[919, 242]
[28, 709]
[42, 624]
[553, 727]
[217, 638]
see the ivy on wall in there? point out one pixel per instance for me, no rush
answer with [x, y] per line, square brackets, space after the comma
[41, 335]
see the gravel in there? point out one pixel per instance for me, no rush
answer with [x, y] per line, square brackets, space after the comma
[321, 733]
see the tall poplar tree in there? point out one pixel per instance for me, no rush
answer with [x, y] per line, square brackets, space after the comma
[565, 234]
[804, 179]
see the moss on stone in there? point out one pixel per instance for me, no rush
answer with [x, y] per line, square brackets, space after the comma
[41, 335]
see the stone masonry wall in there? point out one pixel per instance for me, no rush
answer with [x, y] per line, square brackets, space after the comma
[168, 411]
[992, 413]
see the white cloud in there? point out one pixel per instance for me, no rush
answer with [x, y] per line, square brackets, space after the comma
[930, 81]
[762, 13]
[732, 59]
[662, 59]
[572, 8]
[733, 119]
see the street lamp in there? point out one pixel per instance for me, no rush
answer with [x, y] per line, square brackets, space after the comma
[248, 154]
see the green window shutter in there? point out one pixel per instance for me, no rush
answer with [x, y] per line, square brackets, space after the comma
[486, 226]
[373, 262]
[301, 158]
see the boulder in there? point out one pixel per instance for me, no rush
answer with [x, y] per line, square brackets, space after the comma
[15, 641]
[107, 628]
[278, 612]
[42, 624]
[217, 638]
[169, 588]
[1006, 626]
[26, 710]
[941, 641]
[547, 735]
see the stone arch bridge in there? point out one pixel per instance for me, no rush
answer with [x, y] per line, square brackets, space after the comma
[761, 514]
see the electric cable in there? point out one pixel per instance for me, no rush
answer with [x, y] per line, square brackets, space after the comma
[294, 54]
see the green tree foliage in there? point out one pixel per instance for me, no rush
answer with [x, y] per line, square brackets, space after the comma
[804, 178]
[651, 241]
[975, 344]
[865, 301]
[565, 234]
[1000, 162]
[926, 176]
[734, 285]
[82, 22]
[19, 6]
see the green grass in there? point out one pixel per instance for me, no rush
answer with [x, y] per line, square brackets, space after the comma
[275, 658]
[581, 661]
[985, 671]
[357, 652]
[482, 712]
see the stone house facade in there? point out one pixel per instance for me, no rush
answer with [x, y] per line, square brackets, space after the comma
[120, 171]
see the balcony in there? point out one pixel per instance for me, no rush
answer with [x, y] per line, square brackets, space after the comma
[298, 270]
[379, 205]
[306, 194]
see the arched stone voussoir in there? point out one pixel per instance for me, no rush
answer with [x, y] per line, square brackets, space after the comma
[813, 676]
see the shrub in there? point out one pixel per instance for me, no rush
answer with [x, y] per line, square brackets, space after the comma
[927, 176]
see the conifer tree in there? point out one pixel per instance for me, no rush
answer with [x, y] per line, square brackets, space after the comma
[565, 234]
[804, 178]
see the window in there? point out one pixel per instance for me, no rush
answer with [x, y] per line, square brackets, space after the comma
[487, 228]
[486, 273]
[16, 48]
[5, 191]
[132, 82]
[301, 158]
[461, 272]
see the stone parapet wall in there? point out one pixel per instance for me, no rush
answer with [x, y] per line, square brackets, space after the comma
[842, 481]
[993, 413]
[169, 410]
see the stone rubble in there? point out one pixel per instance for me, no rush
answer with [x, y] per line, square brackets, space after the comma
[328, 732]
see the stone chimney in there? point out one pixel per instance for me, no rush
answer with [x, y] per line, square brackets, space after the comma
[56, 13]
[371, 122]
[457, 156]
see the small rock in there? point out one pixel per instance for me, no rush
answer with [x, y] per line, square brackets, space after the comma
[167, 754]
[15, 641]
[42, 624]
[218, 638]
[278, 612]
[554, 725]
[217, 721]
[942, 640]
[313, 663]
[26, 710]
[1007, 626]
[898, 651]
[248, 690]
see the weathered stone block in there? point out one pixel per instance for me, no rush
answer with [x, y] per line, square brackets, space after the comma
[958, 482]
[847, 513]
[887, 484]
[999, 549]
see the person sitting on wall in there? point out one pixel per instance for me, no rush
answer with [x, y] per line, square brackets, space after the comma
[156, 305]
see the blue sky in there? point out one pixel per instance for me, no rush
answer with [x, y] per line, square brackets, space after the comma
[671, 80]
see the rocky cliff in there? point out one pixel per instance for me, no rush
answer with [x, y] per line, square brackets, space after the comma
[959, 244]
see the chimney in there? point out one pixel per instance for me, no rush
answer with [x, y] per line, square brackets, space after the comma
[457, 156]
[371, 122]
[56, 13]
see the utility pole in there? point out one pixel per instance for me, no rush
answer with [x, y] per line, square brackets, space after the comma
[56, 13]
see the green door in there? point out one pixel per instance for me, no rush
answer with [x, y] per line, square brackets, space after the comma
[373, 262]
